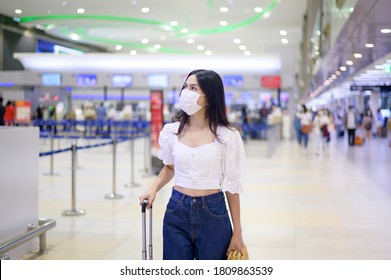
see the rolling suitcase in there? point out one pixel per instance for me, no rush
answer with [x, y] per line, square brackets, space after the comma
[144, 231]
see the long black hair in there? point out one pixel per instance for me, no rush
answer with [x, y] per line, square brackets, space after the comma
[211, 84]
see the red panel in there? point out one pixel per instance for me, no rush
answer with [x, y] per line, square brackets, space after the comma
[271, 81]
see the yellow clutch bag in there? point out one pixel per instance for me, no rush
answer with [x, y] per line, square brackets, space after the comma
[238, 255]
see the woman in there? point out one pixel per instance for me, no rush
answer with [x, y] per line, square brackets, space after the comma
[367, 123]
[206, 155]
[306, 127]
[9, 116]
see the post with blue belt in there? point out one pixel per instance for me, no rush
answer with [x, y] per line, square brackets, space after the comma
[132, 183]
[147, 154]
[51, 158]
[73, 211]
[113, 194]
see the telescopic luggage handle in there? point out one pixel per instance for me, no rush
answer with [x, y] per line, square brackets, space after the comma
[144, 230]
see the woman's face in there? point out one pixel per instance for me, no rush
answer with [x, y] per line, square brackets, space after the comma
[192, 84]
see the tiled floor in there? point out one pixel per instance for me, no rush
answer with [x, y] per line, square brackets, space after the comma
[336, 205]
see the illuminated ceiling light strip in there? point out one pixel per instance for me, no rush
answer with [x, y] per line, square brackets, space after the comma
[60, 49]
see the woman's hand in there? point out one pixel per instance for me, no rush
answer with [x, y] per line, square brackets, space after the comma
[150, 195]
[236, 243]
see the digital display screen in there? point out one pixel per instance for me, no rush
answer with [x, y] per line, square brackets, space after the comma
[158, 80]
[51, 79]
[233, 81]
[86, 80]
[121, 80]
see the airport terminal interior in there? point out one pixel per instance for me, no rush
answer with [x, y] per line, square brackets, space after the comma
[86, 89]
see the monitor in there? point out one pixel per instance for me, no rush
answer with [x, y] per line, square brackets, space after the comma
[86, 80]
[233, 81]
[158, 80]
[51, 79]
[121, 80]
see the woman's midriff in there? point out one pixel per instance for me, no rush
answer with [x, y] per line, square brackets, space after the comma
[193, 192]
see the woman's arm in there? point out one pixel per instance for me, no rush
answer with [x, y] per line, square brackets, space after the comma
[165, 176]
[234, 208]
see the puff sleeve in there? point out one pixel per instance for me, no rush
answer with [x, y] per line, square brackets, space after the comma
[166, 137]
[234, 164]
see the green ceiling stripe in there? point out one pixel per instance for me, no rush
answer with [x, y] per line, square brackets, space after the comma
[82, 33]
[97, 17]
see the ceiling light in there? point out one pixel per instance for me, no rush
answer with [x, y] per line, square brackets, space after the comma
[190, 41]
[81, 11]
[358, 55]
[318, 33]
[247, 53]
[133, 52]
[343, 68]
[118, 47]
[283, 32]
[144, 41]
[284, 41]
[200, 47]
[75, 37]
[379, 67]
[145, 10]
[237, 41]
[266, 15]
[208, 53]
[18, 11]
[338, 72]
[157, 46]
[334, 77]
[173, 23]
[369, 45]
[163, 37]
[385, 30]
[223, 23]
[258, 9]
[185, 30]
[242, 47]
[349, 62]
[223, 9]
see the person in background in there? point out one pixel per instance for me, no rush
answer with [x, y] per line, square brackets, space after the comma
[9, 116]
[338, 122]
[367, 123]
[321, 124]
[206, 155]
[380, 123]
[306, 127]
[2, 111]
[297, 124]
[351, 124]
[244, 121]
[263, 116]
[101, 115]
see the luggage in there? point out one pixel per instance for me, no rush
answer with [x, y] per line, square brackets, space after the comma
[358, 140]
[144, 231]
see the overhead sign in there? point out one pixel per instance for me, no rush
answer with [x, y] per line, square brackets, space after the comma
[271, 81]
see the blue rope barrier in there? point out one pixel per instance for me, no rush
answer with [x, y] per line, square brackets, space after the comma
[54, 152]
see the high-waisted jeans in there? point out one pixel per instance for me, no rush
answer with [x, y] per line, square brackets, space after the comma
[196, 227]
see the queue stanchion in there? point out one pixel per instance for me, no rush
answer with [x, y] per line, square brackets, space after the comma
[147, 156]
[114, 194]
[73, 211]
[132, 183]
[51, 173]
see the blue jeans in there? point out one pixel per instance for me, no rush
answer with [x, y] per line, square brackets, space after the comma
[196, 227]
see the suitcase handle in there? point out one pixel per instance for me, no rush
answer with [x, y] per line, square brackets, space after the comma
[144, 231]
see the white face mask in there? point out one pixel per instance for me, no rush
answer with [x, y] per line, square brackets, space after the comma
[188, 102]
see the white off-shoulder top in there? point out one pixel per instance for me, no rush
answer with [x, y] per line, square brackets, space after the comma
[216, 165]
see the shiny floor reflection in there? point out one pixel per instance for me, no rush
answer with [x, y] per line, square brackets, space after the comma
[332, 205]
